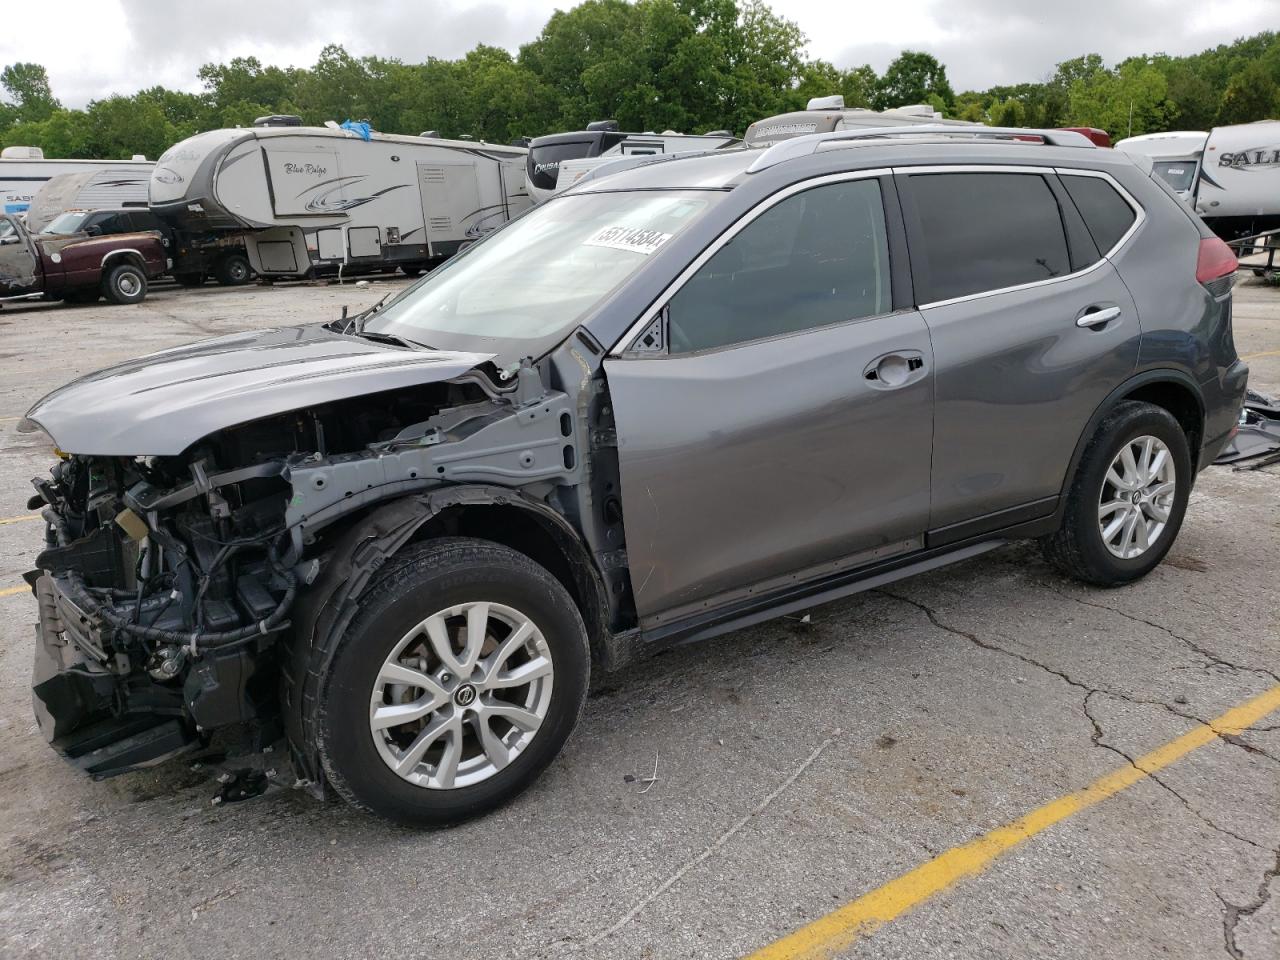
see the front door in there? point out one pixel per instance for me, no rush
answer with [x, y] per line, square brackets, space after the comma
[1031, 326]
[776, 424]
[17, 260]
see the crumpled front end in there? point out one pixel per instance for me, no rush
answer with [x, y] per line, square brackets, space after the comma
[167, 582]
[158, 619]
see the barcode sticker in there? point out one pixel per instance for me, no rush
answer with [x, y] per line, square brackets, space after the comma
[635, 239]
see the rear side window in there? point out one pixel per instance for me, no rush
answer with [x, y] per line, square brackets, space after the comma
[1105, 212]
[816, 258]
[985, 231]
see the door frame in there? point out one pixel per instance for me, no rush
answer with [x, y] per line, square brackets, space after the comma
[900, 282]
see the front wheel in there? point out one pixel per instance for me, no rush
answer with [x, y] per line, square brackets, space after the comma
[125, 283]
[232, 270]
[456, 684]
[1127, 500]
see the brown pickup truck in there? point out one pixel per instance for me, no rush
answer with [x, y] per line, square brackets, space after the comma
[77, 269]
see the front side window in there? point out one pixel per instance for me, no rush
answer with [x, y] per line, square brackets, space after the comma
[985, 231]
[71, 222]
[816, 258]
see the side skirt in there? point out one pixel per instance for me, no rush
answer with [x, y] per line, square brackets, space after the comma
[625, 648]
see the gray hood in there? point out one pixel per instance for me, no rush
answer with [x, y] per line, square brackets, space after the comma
[160, 404]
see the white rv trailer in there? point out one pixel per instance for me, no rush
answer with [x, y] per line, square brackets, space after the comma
[825, 114]
[88, 190]
[1238, 191]
[24, 170]
[1175, 157]
[309, 199]
[602, 142]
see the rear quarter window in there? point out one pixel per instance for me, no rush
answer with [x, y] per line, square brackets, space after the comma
[985, 231]
[1107, 214]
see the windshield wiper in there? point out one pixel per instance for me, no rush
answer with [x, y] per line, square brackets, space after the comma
[355, 324]
[388, 338]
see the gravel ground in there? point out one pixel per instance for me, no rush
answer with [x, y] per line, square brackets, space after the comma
[800, 765]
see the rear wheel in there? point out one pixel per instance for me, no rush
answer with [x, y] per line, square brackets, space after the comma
[1127, 500]
[232, 270]
[414, 269]
[459, 680]
[125, 283]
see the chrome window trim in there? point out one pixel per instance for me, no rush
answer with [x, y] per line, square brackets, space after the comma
[1140, 217]
[622, 348]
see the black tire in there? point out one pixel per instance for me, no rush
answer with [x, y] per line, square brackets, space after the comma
[415, 269]
[125, 283]
[232, 270]
[427, 578]
[189, 279]
[1077, 548]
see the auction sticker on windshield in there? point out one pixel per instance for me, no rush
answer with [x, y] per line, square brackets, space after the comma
[635, 239]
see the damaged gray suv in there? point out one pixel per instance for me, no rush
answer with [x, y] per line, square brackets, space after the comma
[675, 400]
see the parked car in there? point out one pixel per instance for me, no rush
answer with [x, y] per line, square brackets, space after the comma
[195, 257]
[77, 268]
[670, 402]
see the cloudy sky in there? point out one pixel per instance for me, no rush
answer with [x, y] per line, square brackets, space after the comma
[93, 48]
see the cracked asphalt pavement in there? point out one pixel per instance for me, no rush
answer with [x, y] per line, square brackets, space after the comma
[799, 764]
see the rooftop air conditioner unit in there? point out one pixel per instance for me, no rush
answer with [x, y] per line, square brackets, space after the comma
[835, 102]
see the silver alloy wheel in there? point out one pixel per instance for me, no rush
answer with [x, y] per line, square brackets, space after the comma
[1137, 495]
[461, 695]
[127, 284]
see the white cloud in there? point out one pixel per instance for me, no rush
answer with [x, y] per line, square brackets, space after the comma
[99, 47]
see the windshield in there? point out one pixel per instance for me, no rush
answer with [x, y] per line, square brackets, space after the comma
[1179, 174]
[68, 222]
[535, 279]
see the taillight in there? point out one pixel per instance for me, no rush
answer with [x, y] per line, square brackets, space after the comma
[1215, 261]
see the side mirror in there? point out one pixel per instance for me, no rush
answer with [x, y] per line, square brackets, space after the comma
[10, 240]
[94, 231]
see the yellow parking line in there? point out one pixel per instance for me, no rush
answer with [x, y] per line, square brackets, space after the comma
[839, 929]
[22, 519]
[11, 591]
[1264, 353]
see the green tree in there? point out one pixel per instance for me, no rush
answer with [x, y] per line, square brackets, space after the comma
[914, 77]
[1252, 94]
[1131, 99]
[28, 87]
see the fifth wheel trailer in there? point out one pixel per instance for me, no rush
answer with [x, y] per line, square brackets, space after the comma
[601, 143]
[312, 199]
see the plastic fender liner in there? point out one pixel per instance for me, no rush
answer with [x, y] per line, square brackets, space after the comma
[325, 609]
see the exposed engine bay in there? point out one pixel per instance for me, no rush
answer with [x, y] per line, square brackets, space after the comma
[168, 584]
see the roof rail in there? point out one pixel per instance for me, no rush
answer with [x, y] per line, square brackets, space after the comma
[810, 143]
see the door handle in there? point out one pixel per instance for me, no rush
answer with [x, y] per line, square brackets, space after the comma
[894, 369]
[1096, 318]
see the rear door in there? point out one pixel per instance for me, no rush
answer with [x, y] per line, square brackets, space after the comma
[1031, 327]
[775, 412]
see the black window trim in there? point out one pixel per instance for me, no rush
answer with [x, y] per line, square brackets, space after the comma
[1140, 216]
[626, 344]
